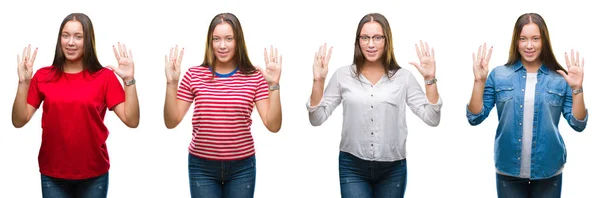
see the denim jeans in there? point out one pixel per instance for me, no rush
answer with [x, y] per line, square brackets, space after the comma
[215, 179]
[514, 187]
[96, 187]
[361, 178]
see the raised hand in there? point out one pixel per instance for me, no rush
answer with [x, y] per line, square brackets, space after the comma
[125, 59]
[575, 71]
[481, 63]
[173, 64]
[272, 73]
[321, 62]
[426, 65]
[25, 64]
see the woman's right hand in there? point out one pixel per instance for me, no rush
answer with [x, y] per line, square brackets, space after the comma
[173, 65]
[481, 63]
[25, 64]
[320, 65]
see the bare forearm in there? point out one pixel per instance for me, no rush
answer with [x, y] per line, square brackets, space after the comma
[317, 92]
[171, 112]
[132, 107]
[19, 111]
[432, 94]
[274, 112]
[476, 102]
[578, 107]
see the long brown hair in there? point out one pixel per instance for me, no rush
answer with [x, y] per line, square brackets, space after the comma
[241, 54]
[388, 59]
[546, 56]
[89, 59]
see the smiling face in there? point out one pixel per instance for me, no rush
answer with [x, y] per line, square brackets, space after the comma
[223, 43]
[530, 44]
[372, 41]
[72, 41]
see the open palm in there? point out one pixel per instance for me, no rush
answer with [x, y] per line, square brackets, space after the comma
[272, 72]
[426, 65]
[124, 57]
[25, 64]
[575, 71]
[321, 62]
[481, 62]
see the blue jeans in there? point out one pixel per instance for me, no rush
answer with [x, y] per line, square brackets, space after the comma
[362, 178]
[514, 187]
[215, 179]
[96, 187]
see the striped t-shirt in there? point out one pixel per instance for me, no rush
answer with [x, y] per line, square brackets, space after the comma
[222, 111]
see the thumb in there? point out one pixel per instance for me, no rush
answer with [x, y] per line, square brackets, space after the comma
[562, 73]
[259, 69]
[111, 67]
[416, 65]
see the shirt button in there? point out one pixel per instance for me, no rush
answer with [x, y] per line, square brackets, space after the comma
[519, 124]
[371, 144]
[371, 133]
[522, 89]
[371, 106]
[518, 158]
[519, 139]
[371, 85]
[521, 106]
[371, 119]
[523, 76]
[371, 95]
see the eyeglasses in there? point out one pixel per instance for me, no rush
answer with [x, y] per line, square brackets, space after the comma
[377, 39]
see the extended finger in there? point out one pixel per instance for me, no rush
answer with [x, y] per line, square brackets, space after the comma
[125, 51]
[32, 59]
[427, 49]
[175, 53]
[423, 52]
[23, 55]
[578, 59]
[489, 55]
[180, 57]
[266, 56]
[116, 53]
[271, 54]
[418, 51]
[120, 49]
[573, 62]
[567, 60]
[329, 54]
[483, 51]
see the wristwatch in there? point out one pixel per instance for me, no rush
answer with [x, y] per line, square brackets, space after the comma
[131, 82]
[273, 87]
[577, 91]
[431, 82]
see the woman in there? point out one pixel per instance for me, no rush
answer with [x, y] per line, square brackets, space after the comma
[76, 91]
[225, 89]
[374, 91]
[530, 91]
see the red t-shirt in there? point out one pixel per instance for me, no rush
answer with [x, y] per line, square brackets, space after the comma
[73, 130]
[222, 111]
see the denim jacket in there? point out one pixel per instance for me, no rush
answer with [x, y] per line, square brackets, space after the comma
[505, 88]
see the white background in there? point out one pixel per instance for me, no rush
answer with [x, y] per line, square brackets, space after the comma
[452, 160]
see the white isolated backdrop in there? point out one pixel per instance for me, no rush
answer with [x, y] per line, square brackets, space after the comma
[451, 160]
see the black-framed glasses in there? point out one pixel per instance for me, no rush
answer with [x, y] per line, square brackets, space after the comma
[377, 39]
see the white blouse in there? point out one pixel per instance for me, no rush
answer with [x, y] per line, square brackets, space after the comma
[374, 123]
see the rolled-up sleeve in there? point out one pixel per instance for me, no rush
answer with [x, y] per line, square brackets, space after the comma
[417, 101]
[331, 99]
